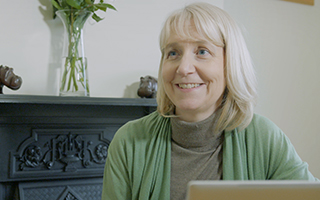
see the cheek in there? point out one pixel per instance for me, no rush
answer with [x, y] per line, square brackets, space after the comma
[216, 80]
[212, 75]
[167, 73]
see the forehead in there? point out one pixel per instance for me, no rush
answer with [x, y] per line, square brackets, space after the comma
[190, 35]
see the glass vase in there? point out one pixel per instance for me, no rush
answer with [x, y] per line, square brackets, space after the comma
[74, 76]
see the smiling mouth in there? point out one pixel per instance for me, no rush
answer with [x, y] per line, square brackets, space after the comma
[189, 85]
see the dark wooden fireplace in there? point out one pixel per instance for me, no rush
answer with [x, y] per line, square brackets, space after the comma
[55, 147]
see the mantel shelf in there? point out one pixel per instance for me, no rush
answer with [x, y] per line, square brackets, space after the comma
[34, 99]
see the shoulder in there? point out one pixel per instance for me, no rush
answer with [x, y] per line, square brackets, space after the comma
[274, 148]
[260, 129]
[263, 124]
[266, 151]
[264, 133]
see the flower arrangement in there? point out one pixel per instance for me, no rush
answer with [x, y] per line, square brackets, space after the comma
[74, 14]
[82, 5]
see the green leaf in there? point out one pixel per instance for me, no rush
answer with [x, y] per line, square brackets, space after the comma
[74, 3]
[110, 6]
[104, 6]
[91, 8]
[55, 4]
[96, 17]
[89, 2]
[63, 4]
[101, 7]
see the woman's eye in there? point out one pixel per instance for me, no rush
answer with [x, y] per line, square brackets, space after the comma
[172, 54]
[203, 52]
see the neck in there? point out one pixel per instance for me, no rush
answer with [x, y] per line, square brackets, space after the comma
[193, 116]
[198, 136]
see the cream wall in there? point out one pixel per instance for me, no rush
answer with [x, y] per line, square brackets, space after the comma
[120, 49]
[282, 37]
[284, 41]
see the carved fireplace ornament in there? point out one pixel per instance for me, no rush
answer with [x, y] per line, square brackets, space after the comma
[61, 150]
[9, 79]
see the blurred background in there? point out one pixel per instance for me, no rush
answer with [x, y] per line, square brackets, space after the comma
[283, 38]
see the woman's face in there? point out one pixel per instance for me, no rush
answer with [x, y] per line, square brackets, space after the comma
[193, 76]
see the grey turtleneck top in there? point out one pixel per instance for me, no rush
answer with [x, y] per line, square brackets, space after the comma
[196, 154]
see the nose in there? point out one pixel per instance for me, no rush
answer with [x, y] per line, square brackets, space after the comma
[186, 65]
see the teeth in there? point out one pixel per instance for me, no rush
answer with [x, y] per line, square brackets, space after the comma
[188, 86]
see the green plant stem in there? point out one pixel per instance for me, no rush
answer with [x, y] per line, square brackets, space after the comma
[74, 63]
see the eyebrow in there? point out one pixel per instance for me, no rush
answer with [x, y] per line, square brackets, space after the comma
[170, 45]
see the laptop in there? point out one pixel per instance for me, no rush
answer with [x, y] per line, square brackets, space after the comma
[253, 190]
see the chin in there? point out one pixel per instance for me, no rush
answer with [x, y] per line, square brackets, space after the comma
[188, 106]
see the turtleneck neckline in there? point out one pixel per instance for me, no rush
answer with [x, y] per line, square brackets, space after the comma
[196, 136]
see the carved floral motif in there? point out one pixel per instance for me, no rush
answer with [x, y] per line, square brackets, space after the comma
[31, 157]
[68, 149]
[102, 152]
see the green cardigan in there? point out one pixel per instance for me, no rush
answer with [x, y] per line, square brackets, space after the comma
[139, 158]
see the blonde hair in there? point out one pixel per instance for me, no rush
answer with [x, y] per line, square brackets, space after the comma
[215, 25]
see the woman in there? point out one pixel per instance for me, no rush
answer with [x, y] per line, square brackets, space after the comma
[204, 128]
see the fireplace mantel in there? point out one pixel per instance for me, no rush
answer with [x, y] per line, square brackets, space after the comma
[55, 147]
